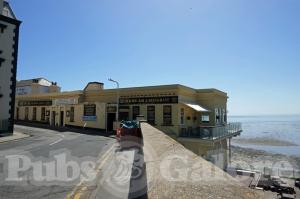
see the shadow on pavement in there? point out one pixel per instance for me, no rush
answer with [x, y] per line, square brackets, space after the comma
[81, 130]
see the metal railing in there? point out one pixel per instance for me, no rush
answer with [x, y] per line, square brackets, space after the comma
[4, 126]
[212, 133]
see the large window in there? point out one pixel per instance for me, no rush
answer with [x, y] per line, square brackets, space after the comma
[182, 116]
[43, 114]
[26, 113]
[167, 115]
[218, 118]
[151, 114]
[34, 113]
[205, 119]
[135, 112]
[72, 114]
[89, 110]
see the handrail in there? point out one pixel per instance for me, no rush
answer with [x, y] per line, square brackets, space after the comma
[212, 133]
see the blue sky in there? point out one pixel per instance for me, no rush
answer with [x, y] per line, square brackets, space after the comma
[248, 48]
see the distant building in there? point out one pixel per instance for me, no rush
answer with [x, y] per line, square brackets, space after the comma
[36, 86]
[197, 118]
[9, 36]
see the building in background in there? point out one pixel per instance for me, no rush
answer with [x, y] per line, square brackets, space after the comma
[36, 86]
[197, 118]
[9, 36]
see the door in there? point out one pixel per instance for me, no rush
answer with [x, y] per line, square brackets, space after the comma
[26, 113]
[53, 118]
[18, 112]
[124, 116]
[111, 117]
[62, 118]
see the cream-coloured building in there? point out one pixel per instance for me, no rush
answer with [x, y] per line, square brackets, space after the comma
[9, 36]
[36, 86]
[197, 118]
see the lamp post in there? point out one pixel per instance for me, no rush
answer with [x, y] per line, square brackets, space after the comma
[117, 116]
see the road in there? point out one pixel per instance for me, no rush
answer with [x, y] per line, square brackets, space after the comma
[49, 163]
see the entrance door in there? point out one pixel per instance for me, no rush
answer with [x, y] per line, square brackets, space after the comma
[53, 118]
[26, 113]
[111, 117]
[18, 112]
[61, 118]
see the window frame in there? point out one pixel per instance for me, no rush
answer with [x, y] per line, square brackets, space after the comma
[151, 120]
[167, 116]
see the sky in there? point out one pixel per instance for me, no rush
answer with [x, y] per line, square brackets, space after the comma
[247, 48]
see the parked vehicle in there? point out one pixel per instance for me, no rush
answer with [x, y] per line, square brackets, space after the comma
[129, 134]
[297, 183]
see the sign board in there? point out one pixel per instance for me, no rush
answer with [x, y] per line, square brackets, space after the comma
[150, 100]
[89, 118]
[68, 101]
[35, 103]
[89, 110]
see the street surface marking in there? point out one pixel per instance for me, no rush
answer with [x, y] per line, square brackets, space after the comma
[76, 193]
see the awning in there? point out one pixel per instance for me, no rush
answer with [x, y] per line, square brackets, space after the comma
[196, 107]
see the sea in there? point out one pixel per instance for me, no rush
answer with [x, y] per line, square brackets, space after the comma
[277, 127]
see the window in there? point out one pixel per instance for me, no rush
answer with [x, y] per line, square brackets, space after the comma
[34, 113]
[167, 115]
[217, 116]
[89, 110]
[182, 116]
[225, 115]
[43, 114]
[26, 113]
[135, 112]
[72, 113]
[205, 118]
[151, 114]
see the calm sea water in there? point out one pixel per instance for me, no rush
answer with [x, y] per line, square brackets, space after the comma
[276, 127]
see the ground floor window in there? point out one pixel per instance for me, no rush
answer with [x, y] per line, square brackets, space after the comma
[26, 113]
[182, 116]
[89, 110]
[72, 114]
[151, 114]
[167, 115]
[205, 118]
[218, 118]
[135, 112]
[34, 113]
[43, 114]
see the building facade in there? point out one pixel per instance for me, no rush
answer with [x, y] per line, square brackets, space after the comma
[36, 86]
[9, 36]
[197, 118]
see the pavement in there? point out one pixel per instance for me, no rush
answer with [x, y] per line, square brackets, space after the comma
[16, 136]
[49, 163]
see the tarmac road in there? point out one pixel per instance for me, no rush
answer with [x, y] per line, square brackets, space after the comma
[49, 163]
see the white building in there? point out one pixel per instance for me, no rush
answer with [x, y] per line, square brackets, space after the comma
[9, 36]
[36, 86]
